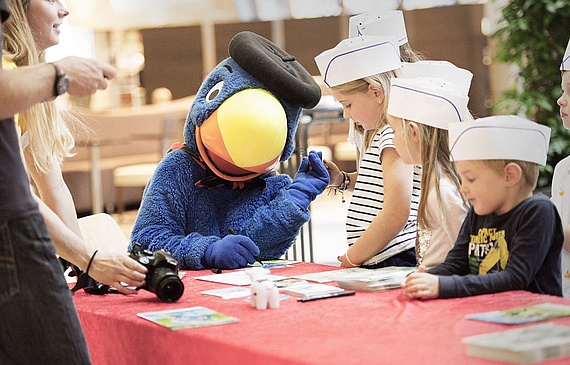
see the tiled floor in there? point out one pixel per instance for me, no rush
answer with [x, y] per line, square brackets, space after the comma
[327, 224]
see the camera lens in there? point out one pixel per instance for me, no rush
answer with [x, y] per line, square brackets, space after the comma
[170, 288]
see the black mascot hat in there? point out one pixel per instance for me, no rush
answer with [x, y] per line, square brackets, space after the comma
[277, 69]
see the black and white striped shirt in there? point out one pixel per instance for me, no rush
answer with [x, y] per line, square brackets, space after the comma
[368, 198]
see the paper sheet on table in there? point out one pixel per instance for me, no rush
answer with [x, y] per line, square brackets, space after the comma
[228, 293]
[239, 277]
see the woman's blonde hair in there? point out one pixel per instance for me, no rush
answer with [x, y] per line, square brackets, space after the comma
[407, 54]
[436, 162]
[50, 137]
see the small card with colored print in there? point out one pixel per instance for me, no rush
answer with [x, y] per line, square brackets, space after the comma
[181, 318]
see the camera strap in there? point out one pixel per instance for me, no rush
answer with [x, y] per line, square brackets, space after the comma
[88, 284]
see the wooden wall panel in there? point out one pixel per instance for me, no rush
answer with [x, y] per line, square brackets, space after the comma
[173, 59]
[225, 32]
[307, 38]
[174, 55]
[453, 34]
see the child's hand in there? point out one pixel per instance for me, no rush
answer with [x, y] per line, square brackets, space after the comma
[421, 285]
[344, 262]
[334, 172]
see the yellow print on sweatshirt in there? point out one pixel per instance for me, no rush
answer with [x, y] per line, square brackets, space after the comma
[488, 249]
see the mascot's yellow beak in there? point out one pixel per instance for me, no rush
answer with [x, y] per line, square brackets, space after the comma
[245, 136]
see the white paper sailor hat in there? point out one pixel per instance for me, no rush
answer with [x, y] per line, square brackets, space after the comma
[379, 23]
[358, 57]
[441, 69]
[504, 137]
[565, 65]
[427, 100]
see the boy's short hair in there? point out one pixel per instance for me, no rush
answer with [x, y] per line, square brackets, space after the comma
[530, 170]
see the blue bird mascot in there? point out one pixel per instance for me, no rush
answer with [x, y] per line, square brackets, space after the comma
[216, 200]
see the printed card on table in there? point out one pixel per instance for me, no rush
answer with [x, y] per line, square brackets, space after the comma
[177, 319]
[533, 313]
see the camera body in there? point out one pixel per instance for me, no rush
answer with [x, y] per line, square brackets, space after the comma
[162, 277]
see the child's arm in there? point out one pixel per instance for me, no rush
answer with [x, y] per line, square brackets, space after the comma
[398, 180]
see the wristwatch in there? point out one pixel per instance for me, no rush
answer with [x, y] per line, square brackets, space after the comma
[61, 83]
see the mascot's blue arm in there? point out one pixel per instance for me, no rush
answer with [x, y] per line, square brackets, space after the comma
[183, 219]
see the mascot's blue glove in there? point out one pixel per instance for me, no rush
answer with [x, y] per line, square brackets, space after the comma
[231, 252]
[311, 180]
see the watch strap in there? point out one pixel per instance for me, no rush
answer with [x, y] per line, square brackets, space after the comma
[59, 75]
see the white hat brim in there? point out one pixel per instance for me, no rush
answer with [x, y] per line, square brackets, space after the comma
[428, 101]
[356, 58]
[505, 137]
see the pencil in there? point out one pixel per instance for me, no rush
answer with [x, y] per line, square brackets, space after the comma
[234, 233]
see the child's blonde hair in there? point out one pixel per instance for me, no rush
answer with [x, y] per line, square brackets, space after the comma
[436, 162]
[407, 54]
[50, 138]
[361, 86]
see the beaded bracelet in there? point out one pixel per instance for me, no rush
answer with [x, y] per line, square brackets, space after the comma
[347, 259]
[345, 181]
[343, 185]
[90, 262]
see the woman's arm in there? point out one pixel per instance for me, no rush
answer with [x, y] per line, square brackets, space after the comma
[24, 87]
[54, 192]
[111, 268]
[29, 85]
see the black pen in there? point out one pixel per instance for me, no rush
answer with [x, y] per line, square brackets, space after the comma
[325, 296]
[234, 233]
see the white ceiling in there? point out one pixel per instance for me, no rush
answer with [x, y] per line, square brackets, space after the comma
[134, 14]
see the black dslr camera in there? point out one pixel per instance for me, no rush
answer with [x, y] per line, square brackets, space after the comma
[162, 277]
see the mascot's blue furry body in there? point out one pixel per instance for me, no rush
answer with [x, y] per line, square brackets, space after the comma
[207, 221]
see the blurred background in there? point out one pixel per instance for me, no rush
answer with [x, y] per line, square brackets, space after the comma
[164, 49]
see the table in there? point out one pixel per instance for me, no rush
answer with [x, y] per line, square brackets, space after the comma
[367, 328]
[94, 145]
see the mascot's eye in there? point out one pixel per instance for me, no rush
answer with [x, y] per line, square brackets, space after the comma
[214, 92]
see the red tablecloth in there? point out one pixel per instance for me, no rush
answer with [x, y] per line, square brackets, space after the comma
[367, 328]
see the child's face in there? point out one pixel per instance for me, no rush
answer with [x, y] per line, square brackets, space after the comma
[364, 108]
[408, 147]
[564, 100]
[483, 187]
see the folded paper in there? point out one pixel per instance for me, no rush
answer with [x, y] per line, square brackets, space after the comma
[442, 69]
[358, 57]
[432, 101]
[504, 137]
[379, 23]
